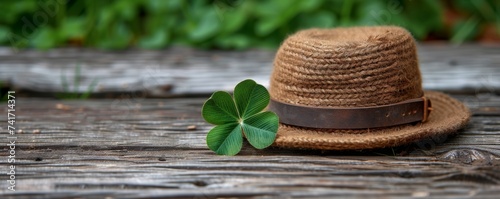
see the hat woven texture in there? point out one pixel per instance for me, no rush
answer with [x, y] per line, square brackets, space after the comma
[356, 67]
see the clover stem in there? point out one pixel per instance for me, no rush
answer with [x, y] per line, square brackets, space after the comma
[243, 132]
[240, 121]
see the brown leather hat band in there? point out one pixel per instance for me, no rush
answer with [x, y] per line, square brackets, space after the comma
[413, 110]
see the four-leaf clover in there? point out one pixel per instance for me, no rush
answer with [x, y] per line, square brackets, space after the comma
[238, 117]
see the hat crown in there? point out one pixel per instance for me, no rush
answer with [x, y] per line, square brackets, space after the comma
[347, 67]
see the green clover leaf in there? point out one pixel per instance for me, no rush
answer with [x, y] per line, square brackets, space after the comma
[240, 116]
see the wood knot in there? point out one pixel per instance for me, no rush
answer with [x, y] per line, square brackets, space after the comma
[467, 156]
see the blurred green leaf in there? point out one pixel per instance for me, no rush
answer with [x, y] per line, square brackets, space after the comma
[465, 30]
[233, 20]
[46, 38]
[4, 33]
[235, 41]
[12, 10]
[346, 12]
[156, 40]
[373, 13]
[485, 9]
[431, 11]
[321, 19]
[228, 24]
[157, 6]
[117, 38]
[127, 10]
[272, 14]
[72, 27]
[207, 26]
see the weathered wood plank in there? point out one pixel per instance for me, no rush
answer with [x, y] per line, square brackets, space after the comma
[148, 148]
[177, 71]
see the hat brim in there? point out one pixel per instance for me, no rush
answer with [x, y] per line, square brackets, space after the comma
[448, 116]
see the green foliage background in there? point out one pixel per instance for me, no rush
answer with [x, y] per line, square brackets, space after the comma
[228, 24]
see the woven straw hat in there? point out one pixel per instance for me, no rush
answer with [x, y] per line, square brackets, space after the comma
[342, 89]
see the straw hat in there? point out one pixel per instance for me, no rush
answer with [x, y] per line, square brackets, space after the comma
[356, 88]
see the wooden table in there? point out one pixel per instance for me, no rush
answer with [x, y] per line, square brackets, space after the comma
[135, 147]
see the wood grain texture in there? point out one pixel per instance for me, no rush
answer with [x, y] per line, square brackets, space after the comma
[181, 71]
[145, 148]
